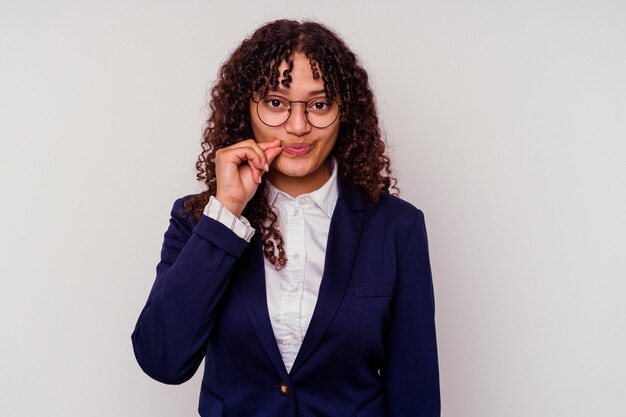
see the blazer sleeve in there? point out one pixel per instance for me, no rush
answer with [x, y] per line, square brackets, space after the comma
[411, 374]
[172, 331]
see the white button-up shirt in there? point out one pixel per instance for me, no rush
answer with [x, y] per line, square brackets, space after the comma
[292, 292]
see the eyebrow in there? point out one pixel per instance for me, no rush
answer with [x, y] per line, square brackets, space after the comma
[311, 93]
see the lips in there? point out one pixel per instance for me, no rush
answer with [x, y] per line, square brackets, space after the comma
[297, 148]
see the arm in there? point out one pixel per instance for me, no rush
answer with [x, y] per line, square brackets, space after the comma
[172, 331]
[410, 374]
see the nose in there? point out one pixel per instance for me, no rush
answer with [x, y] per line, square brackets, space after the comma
[297, 124]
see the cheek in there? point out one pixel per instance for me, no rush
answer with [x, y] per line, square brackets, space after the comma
[260, 132]
[331, 144]
[332, 140]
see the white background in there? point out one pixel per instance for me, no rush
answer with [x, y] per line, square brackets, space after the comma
[506, 124]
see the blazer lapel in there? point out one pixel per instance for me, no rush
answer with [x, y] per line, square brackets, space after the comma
[252, 287]
[343, 239]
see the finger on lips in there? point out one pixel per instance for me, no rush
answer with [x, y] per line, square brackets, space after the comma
[249, 154]
[268, 145]
[258, 156]
[248, 146]
[272, 153]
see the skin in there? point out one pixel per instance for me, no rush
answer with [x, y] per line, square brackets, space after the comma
[292, 154]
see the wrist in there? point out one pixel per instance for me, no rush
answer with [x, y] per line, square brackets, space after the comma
[232, 206]
[216, 210]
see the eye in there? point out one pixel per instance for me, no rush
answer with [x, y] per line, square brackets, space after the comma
[320, 105]
[275, 103]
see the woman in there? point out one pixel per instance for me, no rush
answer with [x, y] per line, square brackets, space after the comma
[303, 283]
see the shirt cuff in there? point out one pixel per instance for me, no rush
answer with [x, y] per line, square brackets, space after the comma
[240, 225]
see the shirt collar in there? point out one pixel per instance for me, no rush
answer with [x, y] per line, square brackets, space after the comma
[325, 196]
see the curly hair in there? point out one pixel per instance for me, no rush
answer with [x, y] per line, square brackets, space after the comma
[253, 67]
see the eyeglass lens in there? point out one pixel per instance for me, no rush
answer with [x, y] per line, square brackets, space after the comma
[319, 111]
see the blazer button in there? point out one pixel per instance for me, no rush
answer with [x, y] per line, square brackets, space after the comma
[284, 388]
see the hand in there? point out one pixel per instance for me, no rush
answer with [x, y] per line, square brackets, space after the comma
[238, 171]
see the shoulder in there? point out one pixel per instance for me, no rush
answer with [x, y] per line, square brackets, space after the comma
[180, 202]
[403, 221]
[182, 211]
[389, 207]
[390, 212]
[400, 212]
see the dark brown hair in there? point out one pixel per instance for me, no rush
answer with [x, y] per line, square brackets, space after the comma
[253, 67]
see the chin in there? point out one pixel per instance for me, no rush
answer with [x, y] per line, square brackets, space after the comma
[294, 168]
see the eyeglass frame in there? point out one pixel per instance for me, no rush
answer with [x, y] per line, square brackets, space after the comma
[306, 112]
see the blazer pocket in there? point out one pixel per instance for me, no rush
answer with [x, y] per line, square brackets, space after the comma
[374, 291]
[372, 408]
[211, 404]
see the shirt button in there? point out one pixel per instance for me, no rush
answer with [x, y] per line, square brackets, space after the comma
[293, 289]
[296, 255]
[284, 388]
[295, 212]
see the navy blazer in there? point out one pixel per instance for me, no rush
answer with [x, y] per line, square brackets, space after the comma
[369, 351]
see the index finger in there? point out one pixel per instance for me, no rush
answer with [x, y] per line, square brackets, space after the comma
[254, 146]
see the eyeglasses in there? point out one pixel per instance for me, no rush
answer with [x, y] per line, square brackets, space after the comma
[274, 111]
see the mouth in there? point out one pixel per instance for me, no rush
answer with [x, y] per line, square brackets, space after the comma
[297, 148]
